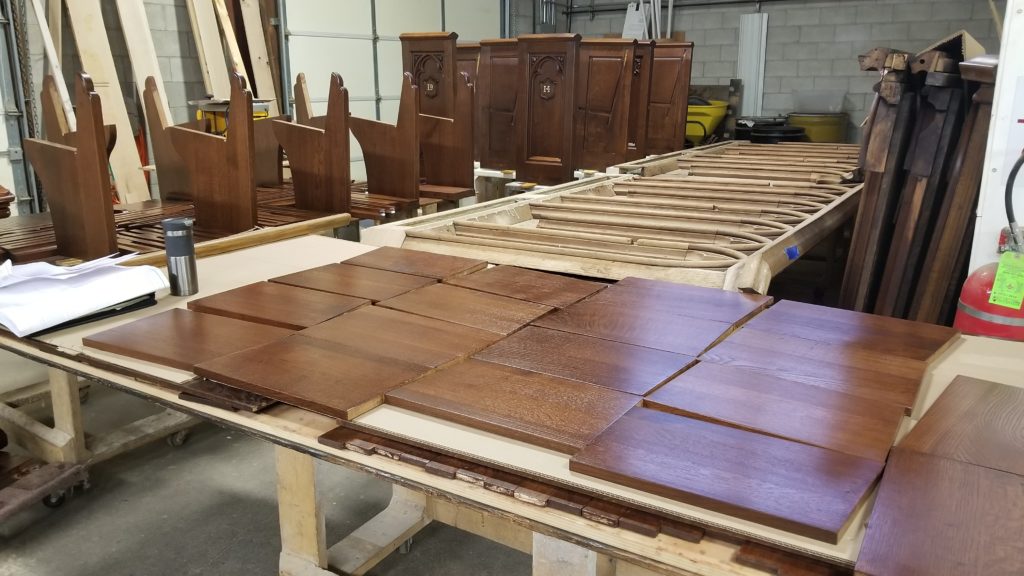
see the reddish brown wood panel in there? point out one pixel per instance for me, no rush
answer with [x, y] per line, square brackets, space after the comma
[940, 517]
[468, 307]
[669, 95]
[170, 169]
[684, 299]
[974, 421]
[530, 285]
[417, 262]
[555, 413]
[430, 58]
[497, 91]
[446, 144]
[277, 305]
[794, 487]
[468, 55]
[356, 281]
[779, 407]
[392, 152]
[614, 365]
[545, 107]
[604, 86]
[780, 563]
[639, 97]
[408, 337]
[317, 375]
[181, 339]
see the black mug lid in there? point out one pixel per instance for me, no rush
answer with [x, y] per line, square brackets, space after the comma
[177, 224]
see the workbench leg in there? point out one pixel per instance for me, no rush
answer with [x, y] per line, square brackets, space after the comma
[303, 541]
[67, 413]
[553, 557]
[363, 549]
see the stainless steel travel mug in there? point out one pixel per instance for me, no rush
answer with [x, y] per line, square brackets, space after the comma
[181, 256]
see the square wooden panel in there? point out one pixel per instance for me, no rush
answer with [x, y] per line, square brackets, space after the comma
[356, 281]
[622, 367]
[974, 421]
[940, 517]
[530, 285]
[684, 300]
[468, 307]
[278, 305]
[555, 413]
[779, 407]
[418, 263]
[407, 337]
[314, 374]
[794, 487]
[181, 338]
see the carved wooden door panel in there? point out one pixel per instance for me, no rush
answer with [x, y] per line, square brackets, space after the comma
[546, 105]
[497, 90]
[639, 96]
[603, 89]
[670, 88]
[430, 58]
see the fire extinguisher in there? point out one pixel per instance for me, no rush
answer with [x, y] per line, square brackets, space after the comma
[975, 314]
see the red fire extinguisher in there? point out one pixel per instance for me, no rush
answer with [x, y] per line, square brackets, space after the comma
[975, 314]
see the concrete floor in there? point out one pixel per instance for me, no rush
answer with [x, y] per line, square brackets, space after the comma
[209, 508]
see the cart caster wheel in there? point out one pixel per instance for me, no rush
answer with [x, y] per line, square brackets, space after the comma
[55, 500]
[178, 439]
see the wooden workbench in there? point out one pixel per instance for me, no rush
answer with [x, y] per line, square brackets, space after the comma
[560, 543]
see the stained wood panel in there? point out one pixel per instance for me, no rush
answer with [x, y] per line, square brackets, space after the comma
[604, 86]
[392, 152]
[468, 307]
[497, 91]
[545, 107]
[614, 365]
[417, 262]
[639, 96]
[786, 485]
[779, 407]
[468, 55]
[685, 299]
[357, 281]
[670, 91]
[529, 285]
[430, 58]
[404, 336]
[555, 413]
[940, 517]
[974, 421]
[170, 169]
[277, 305]
[181, 339]
[318, 375]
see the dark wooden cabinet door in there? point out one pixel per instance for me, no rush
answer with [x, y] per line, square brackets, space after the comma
[604, 84]
[468, 56]
[639, 96]
[430, 58]
[497, 88]
[545, 107]
[670, 89]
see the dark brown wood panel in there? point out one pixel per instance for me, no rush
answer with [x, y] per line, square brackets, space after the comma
[639, 97]
[497, 91]
[530, 285]
[684, 299]
[318, 375]
[974, 421]
[468, 56]
[392, 152]
[279, 305]
[786, 485]
[779, 407]
[614, 365]
[669, 95]
[940, 517]
[405, 336]
[468, 307]
[181, 338]
[430, 58]
[356, 281]
[604, 86]
[170, 169]
[417, 262]
[555, 413]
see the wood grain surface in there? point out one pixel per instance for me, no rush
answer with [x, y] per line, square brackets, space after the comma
[418, 263]
[468, 307]
[775, 561]
[555, 413]
[356, 281]
[779, 407]
[940, 517]
[408, 337]
[278, 305]
[974, 421]
[314, 374]
[181, 339]
[524, 284]
[614, 365]
[786, 485]
[684, 299]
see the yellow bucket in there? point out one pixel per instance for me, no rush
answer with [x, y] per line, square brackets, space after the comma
[822, 127]
[703, 120]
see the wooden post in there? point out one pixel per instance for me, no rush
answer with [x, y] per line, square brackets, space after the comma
[553, 557]
[67, 413]
[303, 533]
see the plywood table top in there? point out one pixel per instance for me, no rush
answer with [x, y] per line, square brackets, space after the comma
[491, 312]
[356, 281]
[524, 284]
[555, 413]
[940, 517]
[278, 305]
[418, 263]
[795, 487]
[614, 365]
[780, 407]
[181, 338]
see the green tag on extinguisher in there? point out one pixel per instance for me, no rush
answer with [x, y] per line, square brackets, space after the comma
[1008, 287]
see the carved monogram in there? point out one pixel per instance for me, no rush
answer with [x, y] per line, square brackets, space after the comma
[546, 71]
